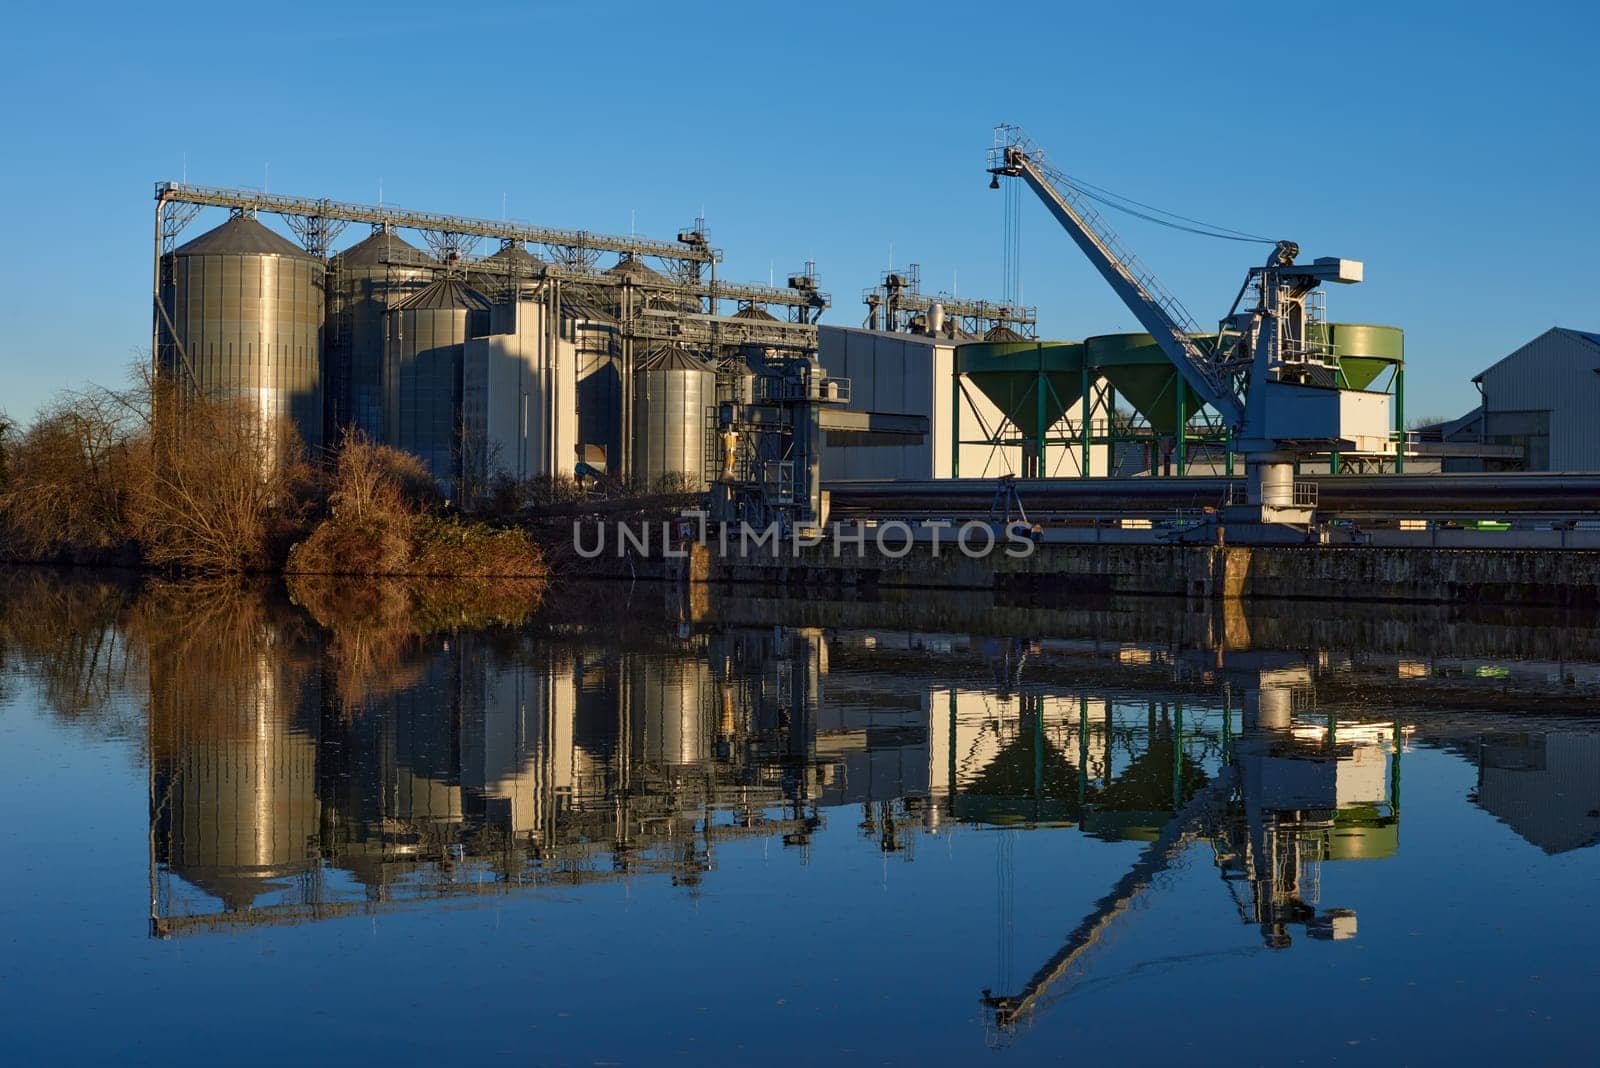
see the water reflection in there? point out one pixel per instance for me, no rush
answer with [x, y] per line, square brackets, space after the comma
[306, 765]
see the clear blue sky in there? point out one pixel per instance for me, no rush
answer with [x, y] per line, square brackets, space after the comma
[1453, 147]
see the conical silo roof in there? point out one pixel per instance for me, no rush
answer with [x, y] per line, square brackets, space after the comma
[1002, 333]
[383, 247]
[673, 358]
[444, 295]
[517, 255]
[638, 272]
[756, 312]
[242, 235]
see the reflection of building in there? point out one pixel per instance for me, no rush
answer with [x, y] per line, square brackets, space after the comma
[500, 762]
[1546, 787]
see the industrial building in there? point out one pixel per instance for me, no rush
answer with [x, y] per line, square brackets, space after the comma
[1538, 406]
[628, 361]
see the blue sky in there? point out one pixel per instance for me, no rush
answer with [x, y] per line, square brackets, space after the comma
[1452, 147]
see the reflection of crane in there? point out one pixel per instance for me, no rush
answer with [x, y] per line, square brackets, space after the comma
[1288, 799]
[1182, 829]
[1268, 371]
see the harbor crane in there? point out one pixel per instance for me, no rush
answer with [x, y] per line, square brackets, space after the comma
[1269, 370]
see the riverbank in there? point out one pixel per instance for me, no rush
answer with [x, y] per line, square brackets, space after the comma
[1208, 572]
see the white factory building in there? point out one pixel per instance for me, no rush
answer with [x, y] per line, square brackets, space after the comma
[1542, 398]
[914, 374]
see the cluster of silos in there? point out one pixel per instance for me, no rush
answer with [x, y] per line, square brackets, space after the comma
[674, 394]
[376, 340]
[242, 318]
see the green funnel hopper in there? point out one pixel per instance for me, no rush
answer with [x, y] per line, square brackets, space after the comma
[1141, 373]
[1364, 350]
[1014, 374]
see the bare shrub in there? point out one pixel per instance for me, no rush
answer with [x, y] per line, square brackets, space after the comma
[65, 492]
[217, 485]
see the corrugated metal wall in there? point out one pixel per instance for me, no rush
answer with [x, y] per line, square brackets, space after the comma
[1555, 373]
[906, 374]
[251, 325]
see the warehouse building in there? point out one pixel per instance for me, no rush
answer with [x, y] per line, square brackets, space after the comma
[1542, 399]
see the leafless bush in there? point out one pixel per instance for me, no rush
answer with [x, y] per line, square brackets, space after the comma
[216, 486]
[65, 493]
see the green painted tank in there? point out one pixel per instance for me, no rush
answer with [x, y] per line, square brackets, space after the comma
[1365, 350]
[1009, 373]
[1142, 374]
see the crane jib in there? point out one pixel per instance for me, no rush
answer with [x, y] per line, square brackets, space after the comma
[1207, 381]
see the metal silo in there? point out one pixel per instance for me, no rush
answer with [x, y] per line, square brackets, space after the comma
[499, 275]
[247, 308]
[363, 282]
[672, 395]
[642, 286]
[597, 351]
[427, 333]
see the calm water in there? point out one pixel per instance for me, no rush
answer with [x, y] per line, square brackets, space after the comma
[632, 828]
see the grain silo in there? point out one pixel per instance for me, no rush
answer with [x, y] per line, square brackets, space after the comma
[673, 393]
[638, 287]
[499, 276]
[427, 334]
[364, 281]
[247, 308]
[597, 351]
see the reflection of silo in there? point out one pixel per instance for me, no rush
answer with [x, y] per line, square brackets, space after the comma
[672, 394]
[671, 717]
[236, 805]
[427, 758]
[427, 334]
[363, 282]
[247, 306]
[516, 733]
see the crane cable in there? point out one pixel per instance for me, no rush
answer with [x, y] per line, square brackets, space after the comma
[1110, 199]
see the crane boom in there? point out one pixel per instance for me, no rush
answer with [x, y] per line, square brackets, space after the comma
[1276, 387]
[1158, 311]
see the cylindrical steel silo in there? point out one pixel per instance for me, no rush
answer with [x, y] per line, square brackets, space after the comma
[363, 282]
[247, 308]
[673, 393]
[642, 287]
[597, 352]
[498, 276]
[427, 333]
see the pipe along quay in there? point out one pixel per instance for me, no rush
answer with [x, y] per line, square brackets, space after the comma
[1527, 539]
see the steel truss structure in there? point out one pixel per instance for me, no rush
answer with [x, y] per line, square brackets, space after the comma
[897, 303]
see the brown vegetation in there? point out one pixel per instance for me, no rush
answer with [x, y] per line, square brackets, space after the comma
[374, 527]
[205, 485]
[375, 625]
[130, 476]
[65, 494]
